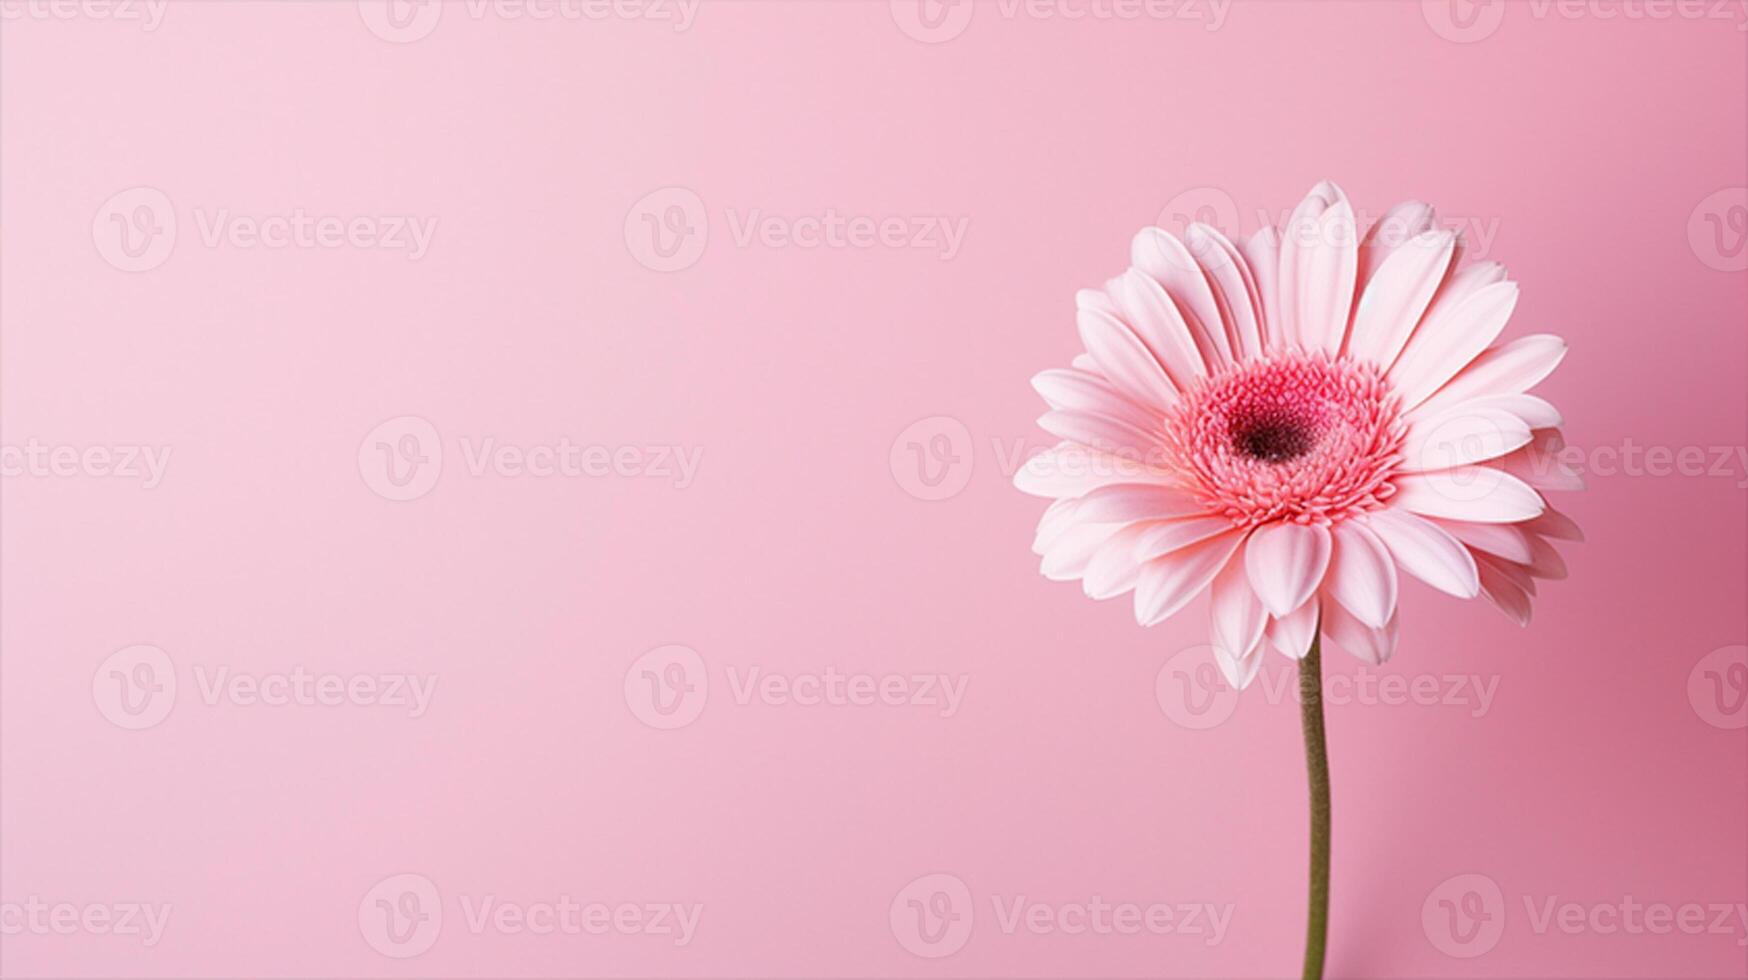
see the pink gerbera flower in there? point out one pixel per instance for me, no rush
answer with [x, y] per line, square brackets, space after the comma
[1291, 421]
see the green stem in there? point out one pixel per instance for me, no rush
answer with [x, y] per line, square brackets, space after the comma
[1317, 774]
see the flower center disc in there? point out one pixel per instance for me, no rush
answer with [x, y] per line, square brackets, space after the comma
[1296, 437]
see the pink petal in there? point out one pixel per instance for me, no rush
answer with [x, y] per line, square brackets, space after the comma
[1398, 295]
[1236, 614]
[1509, 369]
[1160, 255]
[1286, 563]
[1319, 269]
[1507, 595]
[1450, 338]
[1508, 541]
[1111, 435]
[1539, 464]
[1461, 436]
[1124, 502]
[1234, 289]
[1362, 578]
[1291, 634]
[1068, 553]
[1113, 569]
[1374, 645]
[1087, 392]
[1426, 551]
[1071, 470]
[1168, 583]
[1262, 252]
[1555, 524]
[1160, 325]
[1125, 360]
[1468, 493]
[1401, 224]
[1169, 536]
[1240, 671]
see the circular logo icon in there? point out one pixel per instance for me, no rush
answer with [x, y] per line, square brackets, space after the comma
[401, 21]
[1191, 690]
[1463, 21]
[932, 458]
[667, 687]
[1717, 230]
[135, 687]
[1717, 687]
[1464, 916]
[402, 458]
[666, 230]
[932, 916]
[401, 915]
[932, 21]
[135, 230]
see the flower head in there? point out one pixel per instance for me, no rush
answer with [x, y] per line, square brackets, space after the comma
[1289, 422]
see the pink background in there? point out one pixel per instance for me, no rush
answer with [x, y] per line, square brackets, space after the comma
[1584, 146]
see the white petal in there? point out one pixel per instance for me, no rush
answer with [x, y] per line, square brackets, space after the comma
[1167, 584]
[1508, 369]
[1426, 551]
[1449, 338]
[1468, 493]
[1291, 634]
[1398, 295]
[1362, 577]
[1125, 360]
[1286, 563]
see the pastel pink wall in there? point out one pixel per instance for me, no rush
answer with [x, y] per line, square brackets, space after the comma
[1597, 759]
